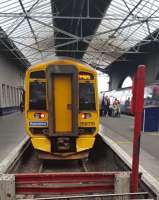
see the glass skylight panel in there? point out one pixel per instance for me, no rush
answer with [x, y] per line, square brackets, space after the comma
[11, 6]
[26, 38]
[128, 29]
[118, 32]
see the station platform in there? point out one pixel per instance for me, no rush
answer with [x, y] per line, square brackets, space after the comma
[118, 134]
[12, 134]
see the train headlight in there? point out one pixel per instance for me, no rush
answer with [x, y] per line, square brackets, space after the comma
[86, 115]
[42, 115]
[39, 115]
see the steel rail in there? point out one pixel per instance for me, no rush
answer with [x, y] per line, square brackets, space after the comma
[84, 165]
[41, 168]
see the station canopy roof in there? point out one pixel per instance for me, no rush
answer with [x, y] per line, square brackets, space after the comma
[96, 31]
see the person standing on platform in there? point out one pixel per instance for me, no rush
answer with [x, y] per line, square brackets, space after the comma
[116, 108]
[22, 103]
[102, 107]
[106, 106]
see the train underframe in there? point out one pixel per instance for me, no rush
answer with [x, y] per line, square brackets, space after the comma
[63, 148]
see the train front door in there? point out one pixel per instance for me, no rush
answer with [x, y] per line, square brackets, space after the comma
[62, 100]
[62, 91]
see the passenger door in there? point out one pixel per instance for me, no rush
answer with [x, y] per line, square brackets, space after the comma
[62, 86]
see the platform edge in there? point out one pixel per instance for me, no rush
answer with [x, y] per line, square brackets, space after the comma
[147, 178]
[6, 162]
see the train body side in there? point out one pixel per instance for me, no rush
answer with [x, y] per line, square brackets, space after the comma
[124, 95]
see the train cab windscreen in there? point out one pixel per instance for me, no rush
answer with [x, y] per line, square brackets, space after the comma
[37, 99]
[86, 96]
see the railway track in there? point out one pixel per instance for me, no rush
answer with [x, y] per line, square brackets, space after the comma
[49, 166]
[91, 175]
[55, 167]
[63, 166]
[100, 160]
[29, 163]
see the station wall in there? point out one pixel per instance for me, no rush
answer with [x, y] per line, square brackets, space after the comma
[119, 72]
[11, 84]
[152, 67]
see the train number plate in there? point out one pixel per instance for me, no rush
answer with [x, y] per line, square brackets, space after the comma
[87, 124]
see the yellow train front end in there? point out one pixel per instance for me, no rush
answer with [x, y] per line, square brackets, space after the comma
[61, 109]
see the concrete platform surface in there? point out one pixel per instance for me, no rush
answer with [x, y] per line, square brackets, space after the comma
[123, 126]
[12, 133]
[118, 133]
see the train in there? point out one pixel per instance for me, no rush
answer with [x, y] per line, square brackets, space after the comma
[61, 108]
[124, 95]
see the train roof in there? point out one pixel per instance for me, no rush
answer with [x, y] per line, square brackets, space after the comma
[63, 61]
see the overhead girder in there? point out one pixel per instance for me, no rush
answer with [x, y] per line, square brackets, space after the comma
[9, 50]
[76, 26]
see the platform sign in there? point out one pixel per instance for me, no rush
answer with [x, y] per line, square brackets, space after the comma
[137, 109]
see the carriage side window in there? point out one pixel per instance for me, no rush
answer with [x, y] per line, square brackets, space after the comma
[37, 100]
[86, 96]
